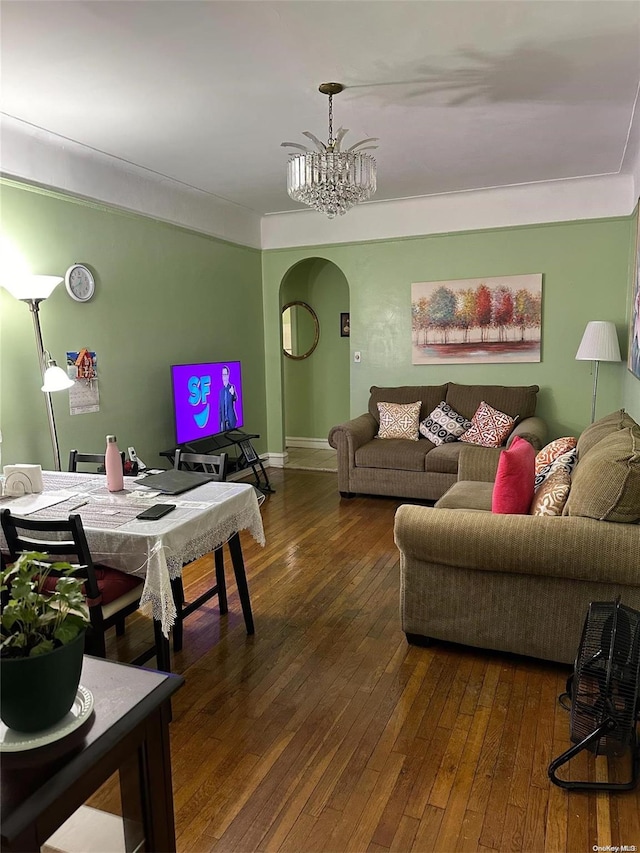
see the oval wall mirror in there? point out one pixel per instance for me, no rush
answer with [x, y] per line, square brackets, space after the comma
[300, 330]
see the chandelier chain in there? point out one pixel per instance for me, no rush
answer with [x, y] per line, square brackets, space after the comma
[330, 120]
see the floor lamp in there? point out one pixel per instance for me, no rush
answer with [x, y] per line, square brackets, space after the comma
[33, 290]
[599, 343]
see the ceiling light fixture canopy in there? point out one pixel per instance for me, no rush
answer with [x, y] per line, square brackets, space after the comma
[331, 180]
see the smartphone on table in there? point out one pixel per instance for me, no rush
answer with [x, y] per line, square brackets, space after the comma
[153, 513]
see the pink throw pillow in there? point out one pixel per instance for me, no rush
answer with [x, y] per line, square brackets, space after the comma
[513, 488]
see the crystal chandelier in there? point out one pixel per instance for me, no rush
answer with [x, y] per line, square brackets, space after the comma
[331, 180]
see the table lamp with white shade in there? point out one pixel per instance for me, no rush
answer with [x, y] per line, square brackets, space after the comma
[33, 289]
[599, 343]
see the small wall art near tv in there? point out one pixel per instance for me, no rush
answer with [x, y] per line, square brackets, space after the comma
[483, 320]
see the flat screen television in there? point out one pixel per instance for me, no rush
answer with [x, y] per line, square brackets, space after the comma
[207, 399]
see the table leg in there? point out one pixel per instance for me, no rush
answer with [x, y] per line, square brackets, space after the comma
[218, 556]
[156, 787]
[241, 579]
[163, 651]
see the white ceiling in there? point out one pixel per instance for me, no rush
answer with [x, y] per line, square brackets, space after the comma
[463, 94]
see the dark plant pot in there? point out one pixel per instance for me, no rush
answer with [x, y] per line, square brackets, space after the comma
[38, 691]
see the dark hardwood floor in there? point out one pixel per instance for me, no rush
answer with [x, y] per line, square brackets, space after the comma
[327, 732]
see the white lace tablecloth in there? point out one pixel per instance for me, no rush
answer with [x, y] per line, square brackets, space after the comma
[204, 519]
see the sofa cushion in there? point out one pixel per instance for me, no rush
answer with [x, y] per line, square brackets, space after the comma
[513, 400]
[429, 395]
[489, 427]
[552, 495]
[513, 487]
[444, 459]
[606, 482]
[444, 425]
[601, 428]
[467, 494]
[393, 453]
[399, 421]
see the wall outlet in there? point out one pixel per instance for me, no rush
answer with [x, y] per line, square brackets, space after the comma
[357, 357]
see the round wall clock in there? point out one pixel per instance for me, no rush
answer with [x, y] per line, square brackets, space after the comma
[80, 282]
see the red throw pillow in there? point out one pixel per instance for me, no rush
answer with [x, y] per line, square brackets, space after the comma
[513, 488]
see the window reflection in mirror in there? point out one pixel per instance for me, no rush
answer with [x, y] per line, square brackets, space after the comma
[300, 330]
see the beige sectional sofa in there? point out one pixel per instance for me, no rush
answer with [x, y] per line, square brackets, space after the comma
[523, 583]
[419, 469]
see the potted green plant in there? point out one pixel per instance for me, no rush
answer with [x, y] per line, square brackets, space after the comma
[41, 642]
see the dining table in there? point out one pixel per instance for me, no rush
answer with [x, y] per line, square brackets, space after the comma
[205, 518]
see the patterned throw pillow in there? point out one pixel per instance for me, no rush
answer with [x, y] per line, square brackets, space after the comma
[552, 495]
[551, 451]
[443, 425]
[565, 462]
[399, 421]
[489, 427]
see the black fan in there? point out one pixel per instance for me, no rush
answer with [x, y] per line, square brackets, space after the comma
[605, 692]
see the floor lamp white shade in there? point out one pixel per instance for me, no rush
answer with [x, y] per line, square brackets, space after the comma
[599, 343]
[33, 289]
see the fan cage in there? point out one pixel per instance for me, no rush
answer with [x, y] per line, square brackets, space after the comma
[606, 677]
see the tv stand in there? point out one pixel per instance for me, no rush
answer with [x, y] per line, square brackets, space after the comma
[246, 454]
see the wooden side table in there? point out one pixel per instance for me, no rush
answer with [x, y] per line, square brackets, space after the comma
[128, 731]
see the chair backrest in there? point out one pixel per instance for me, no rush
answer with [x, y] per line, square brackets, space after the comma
[64, 539]
[215, 465]
[76, 458]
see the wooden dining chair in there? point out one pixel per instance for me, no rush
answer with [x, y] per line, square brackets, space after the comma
[205, 462]
[216, 465]
[110, 594]
[94, 459]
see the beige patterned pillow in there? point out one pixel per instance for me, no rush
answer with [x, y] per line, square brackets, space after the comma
[552, 495]
[399, 421]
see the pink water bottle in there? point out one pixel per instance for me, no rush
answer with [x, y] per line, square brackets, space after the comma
[113, 465]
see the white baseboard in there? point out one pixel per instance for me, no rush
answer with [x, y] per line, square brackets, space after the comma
[309, 443]
[277, 460]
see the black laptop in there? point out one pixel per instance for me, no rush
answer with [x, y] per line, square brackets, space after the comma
[174, 482]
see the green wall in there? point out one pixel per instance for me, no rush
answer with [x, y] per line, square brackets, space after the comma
[316, 389]
[164, 295]
[585, 277]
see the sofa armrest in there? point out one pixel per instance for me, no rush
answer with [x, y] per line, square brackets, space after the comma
[533, 429]
[347, 438]
[567, 547]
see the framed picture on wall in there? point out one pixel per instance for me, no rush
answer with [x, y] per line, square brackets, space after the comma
[489, 320]
[634, 328]
[345, 325]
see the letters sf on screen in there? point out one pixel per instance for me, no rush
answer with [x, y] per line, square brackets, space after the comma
[207, 399]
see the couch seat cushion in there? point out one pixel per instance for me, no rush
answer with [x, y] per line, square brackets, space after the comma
[513, 400]
[399, 453]
[606, 482]
[467, 494]
[444, 459]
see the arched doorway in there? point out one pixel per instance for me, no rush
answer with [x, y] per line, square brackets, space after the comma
[316, 390]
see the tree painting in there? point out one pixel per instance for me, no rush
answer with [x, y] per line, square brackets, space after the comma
[483, 320]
